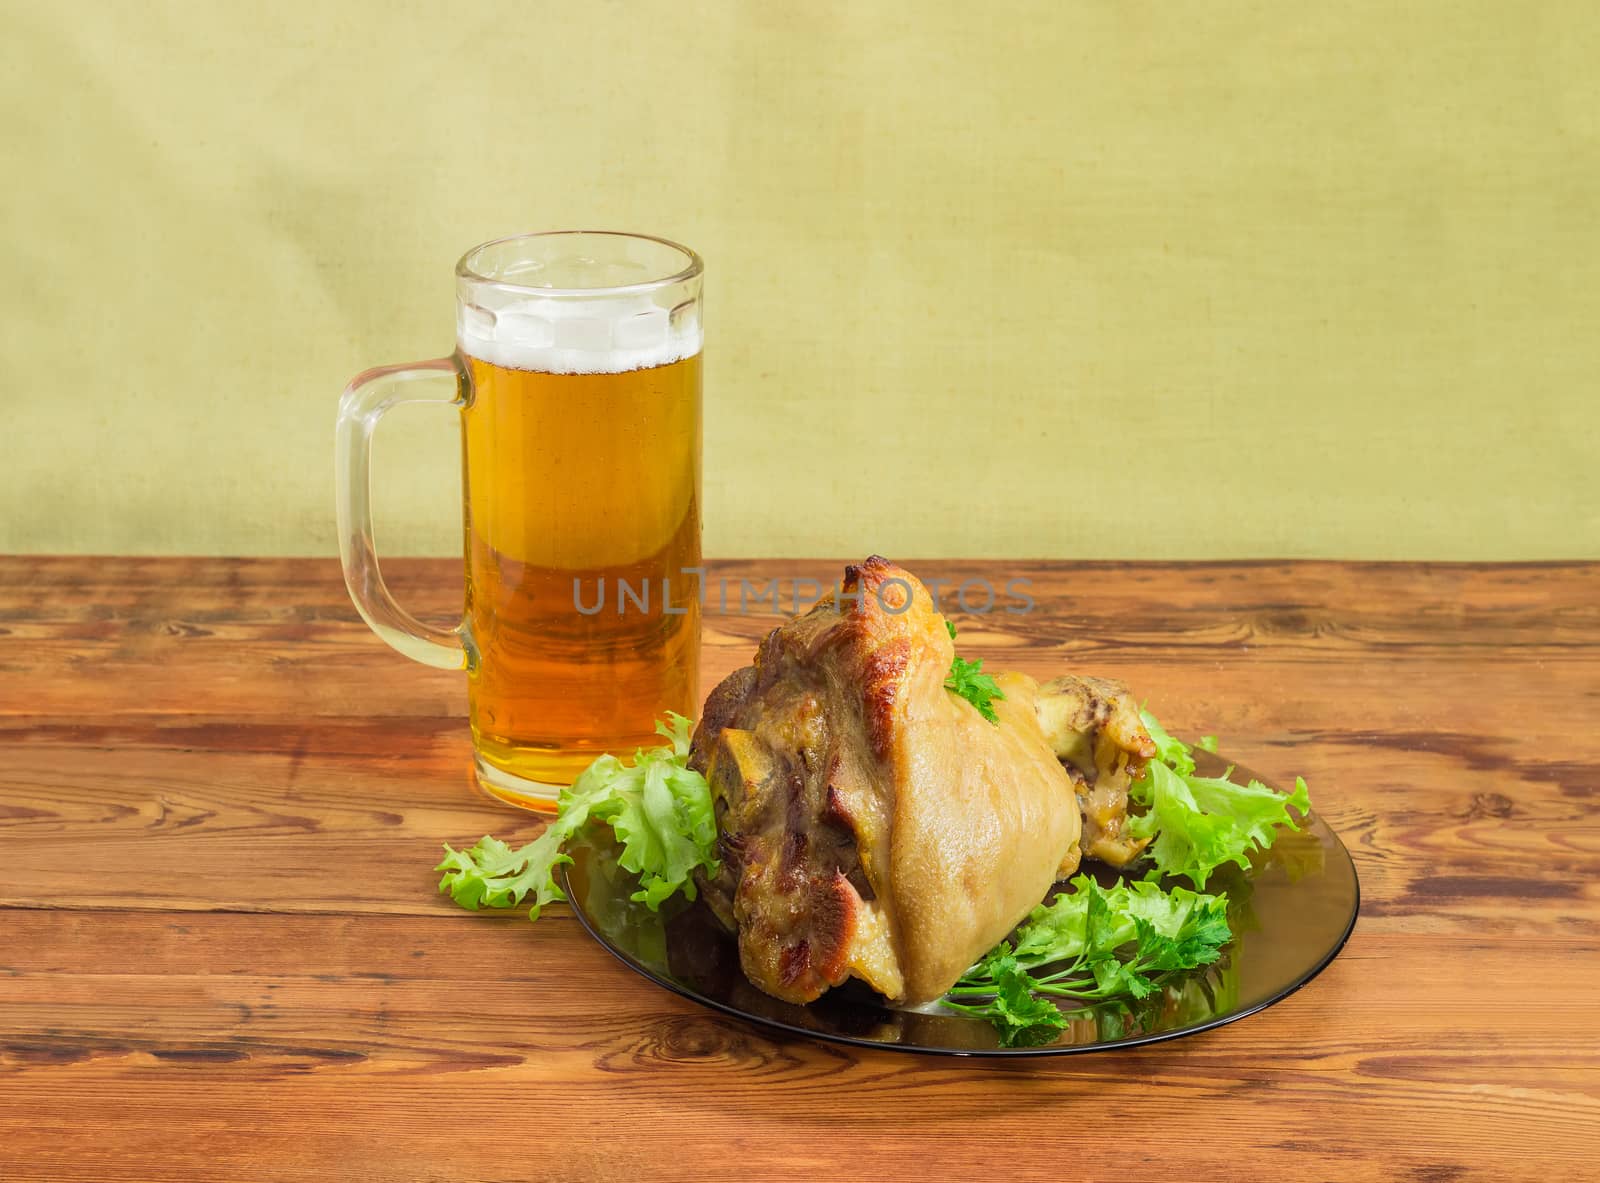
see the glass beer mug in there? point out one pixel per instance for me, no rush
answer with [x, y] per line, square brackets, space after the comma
[577, 380]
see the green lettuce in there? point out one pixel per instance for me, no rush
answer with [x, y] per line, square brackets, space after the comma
[1200, 823]
[658, 808]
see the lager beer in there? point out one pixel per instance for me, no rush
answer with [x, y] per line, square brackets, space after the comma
[583, 540]
[577, 377]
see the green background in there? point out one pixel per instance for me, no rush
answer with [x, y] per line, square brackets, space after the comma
[1100, 279]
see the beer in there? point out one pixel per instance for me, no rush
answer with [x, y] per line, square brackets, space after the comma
[577, 378]
[582, 506]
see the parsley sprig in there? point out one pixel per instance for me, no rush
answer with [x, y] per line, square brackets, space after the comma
[967, 679]
[1091, 944]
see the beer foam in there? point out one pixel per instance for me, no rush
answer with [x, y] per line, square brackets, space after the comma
[605, 335]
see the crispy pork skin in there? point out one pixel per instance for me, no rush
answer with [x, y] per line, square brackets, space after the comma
[872, 823]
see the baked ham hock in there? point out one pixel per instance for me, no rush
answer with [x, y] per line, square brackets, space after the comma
[872, 823]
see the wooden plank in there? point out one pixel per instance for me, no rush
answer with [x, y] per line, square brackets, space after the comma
[222, 957]
[86, 636]
[258, 819]
[214, 1024]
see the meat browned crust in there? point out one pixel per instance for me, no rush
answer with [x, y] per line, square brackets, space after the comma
[792, 812]
[873, 824]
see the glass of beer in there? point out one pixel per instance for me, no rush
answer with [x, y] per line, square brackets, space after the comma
[577, 378]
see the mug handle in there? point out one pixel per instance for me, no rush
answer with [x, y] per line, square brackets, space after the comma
[363, 403]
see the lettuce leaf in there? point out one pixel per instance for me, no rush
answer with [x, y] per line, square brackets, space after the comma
[658, 808]
[1171, 752]
[1200, 823]
[1060, 929]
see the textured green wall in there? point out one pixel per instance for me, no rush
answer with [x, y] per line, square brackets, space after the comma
[1111, 279]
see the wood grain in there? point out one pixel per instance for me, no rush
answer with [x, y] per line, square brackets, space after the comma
[221, 955]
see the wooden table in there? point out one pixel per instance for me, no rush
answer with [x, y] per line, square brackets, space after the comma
[222, 956]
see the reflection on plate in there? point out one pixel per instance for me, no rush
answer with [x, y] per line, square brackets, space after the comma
[1291, 914]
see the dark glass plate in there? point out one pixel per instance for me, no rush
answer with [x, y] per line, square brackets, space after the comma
[1291, 914]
